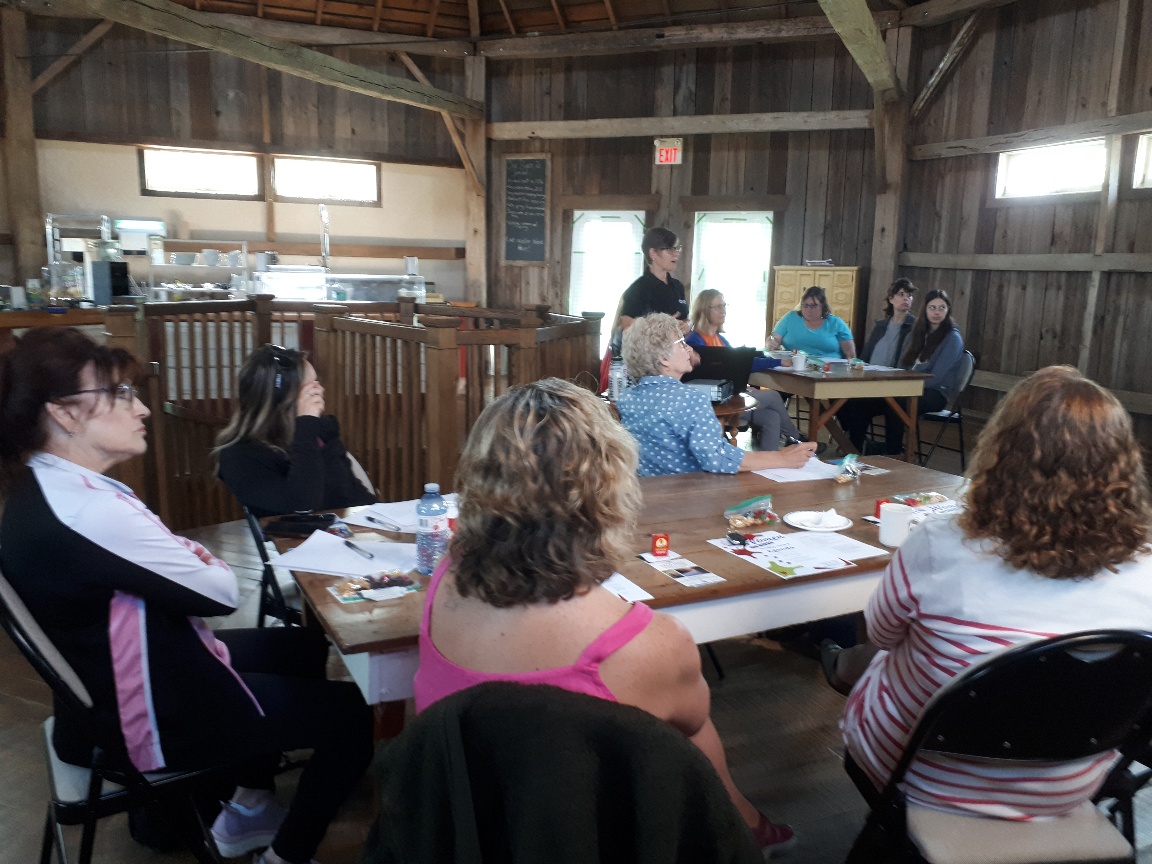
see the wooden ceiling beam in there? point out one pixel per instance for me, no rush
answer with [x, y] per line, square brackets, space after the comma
[450, 123]
[474, 18]
[700, 124]
[508, 17]
[668, 38]
[611, 13]
[311, 35]
[933, 12]
[74, 53]
[560, 15]
[319, 12]
[944, 68]
[432, 13]
[853, 21]
[180, 24]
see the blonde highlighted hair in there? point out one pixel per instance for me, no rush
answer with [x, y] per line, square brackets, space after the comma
[701, 306]
[548, 497]
[268, 385]
[1058, 482]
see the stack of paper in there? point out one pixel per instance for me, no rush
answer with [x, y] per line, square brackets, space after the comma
[327, 553]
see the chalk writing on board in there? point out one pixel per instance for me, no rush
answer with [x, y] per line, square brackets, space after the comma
[526, 209]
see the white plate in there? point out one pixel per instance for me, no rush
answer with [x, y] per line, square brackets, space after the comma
[798, 519]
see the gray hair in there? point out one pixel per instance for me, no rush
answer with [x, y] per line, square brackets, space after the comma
[648, 342]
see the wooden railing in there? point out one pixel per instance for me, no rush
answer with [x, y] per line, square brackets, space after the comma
[406, 393]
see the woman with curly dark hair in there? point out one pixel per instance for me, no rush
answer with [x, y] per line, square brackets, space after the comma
[1054, 540]
[548, 504]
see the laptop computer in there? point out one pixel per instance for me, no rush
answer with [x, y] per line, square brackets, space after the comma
[724, 364]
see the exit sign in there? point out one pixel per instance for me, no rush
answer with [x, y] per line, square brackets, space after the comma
[669, 151]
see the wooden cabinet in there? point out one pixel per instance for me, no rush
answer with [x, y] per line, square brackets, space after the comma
[789, 283]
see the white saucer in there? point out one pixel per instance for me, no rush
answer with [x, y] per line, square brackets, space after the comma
[798, 519]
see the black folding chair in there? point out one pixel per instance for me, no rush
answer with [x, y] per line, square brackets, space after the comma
[951, 415]
[82, 795]
[272, 602]
[1059, 700]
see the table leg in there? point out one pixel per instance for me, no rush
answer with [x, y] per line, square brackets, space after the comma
[389, 719]
[828, 418]
[909, 422]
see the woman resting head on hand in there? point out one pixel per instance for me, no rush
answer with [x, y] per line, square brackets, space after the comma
[548, 505]
[281, 453]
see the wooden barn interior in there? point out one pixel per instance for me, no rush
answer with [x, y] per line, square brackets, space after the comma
[870, 131]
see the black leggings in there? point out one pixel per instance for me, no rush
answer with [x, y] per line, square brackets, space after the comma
[857, 414]
[284, 668]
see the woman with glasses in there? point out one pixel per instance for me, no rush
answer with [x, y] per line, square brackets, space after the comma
[935, 347]
[121, 597]
[674, 423]
[281, 453]
[770, 418]
[657, 290]
[548, 503]
[813, 329]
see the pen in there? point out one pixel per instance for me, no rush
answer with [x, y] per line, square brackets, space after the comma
[362, 552]
[391, 526]
[789, 440]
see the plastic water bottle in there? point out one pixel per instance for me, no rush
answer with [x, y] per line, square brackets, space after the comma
[617, 378]
[431, 528]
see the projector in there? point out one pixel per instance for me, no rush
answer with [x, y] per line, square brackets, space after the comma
[718, 391]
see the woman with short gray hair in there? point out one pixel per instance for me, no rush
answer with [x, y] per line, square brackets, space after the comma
[674, 424]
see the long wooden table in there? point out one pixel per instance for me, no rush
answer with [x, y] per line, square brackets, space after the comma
[378, 640]
[838, 386]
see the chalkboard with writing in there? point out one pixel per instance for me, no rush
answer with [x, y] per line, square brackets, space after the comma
[526, 209]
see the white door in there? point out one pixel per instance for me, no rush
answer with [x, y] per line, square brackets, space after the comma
[606, 259]
[732, 253]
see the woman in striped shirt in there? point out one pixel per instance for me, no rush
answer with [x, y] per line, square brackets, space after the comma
[1054, 540]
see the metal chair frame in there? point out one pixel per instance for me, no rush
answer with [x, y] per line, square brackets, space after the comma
[272, 602]
[953, 414]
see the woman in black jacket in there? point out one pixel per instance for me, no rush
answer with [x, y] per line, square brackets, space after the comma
[280, 453]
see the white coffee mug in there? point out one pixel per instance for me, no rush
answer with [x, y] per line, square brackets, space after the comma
[211, 257]
[895, 523]
[799, 361]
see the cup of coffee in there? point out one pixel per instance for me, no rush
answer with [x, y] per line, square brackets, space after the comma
[799, 361]
[895, 523]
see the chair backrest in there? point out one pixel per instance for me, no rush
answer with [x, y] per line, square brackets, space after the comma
[35, 645]
[257, 535]
[965, 371]
[504, 772]
[1056, 700]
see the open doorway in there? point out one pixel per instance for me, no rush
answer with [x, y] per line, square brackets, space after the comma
[606, 259]
[732, 254]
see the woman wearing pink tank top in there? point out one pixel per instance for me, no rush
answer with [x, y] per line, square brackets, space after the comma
[548, 503]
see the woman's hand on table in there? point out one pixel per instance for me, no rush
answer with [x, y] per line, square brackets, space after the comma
[796, 455]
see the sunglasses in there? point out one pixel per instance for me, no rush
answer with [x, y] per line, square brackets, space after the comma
[285, 359]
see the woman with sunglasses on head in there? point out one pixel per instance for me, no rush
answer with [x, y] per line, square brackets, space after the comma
[281, 453]
[813, 329]
[121, 598]
[673, 423]
[770, 418]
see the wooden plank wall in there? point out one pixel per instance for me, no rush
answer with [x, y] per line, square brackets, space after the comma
[827, 176]
[135, 87]
[1033, 64]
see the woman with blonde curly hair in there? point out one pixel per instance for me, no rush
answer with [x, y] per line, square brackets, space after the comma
[548, 503]
[1054, 540]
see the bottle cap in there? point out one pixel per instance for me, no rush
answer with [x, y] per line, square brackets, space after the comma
[432, 487]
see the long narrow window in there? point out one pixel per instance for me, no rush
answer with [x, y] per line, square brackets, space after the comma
[606, 259]
[1060, 169]
[218, 173]
[326, 180]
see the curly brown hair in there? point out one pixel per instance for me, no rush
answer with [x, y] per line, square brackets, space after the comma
[548, 497]
[1058, 482]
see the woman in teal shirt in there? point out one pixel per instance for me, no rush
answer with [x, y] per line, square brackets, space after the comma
[813, 329]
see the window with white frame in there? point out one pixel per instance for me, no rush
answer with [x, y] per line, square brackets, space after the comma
[174, 171]
[606, 259]
[1059, 169]
[1142, 176]
[326, 179]
[732, 255]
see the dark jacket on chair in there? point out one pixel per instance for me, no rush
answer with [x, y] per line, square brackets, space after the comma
[525, 774]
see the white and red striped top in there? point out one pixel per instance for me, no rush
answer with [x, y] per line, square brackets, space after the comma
[945, 604]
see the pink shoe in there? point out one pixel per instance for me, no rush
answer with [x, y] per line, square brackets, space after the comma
[773, 839]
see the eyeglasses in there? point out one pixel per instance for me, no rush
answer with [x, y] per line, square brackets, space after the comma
[810, 305]
[121, 392]
[685, 345]
[671, 249]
